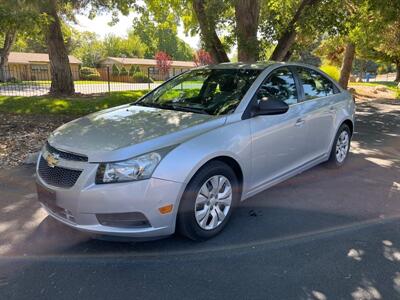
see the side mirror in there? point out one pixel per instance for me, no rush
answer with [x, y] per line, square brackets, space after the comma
[270, 107]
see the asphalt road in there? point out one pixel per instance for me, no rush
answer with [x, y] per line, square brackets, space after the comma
[325, 234]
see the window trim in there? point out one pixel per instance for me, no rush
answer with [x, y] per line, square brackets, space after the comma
[247, 114]
[336, 90]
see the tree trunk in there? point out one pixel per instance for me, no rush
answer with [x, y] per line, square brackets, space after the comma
[347, 64]
[247, 13]
[397, 72]
[288, 38]
[207, 27]
[61, 75]
[9, 40]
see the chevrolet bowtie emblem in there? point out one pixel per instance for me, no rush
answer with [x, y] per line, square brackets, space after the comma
[52, 160]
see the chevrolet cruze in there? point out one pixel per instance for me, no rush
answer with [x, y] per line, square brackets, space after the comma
[184, 155]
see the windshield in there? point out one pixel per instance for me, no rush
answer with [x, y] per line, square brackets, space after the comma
[207, 91]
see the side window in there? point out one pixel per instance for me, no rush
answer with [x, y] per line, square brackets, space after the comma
[315, 85]
[280, 85]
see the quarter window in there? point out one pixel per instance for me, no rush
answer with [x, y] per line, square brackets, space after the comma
[314, 84]
[280, 85]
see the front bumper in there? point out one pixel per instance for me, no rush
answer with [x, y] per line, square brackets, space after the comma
[78, 206]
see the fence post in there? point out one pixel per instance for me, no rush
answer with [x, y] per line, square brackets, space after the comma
[148, 77]
[108, 80]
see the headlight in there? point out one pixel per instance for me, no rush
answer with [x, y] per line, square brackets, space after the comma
[138, 168]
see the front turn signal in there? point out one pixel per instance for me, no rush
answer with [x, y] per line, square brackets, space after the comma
[166, 209]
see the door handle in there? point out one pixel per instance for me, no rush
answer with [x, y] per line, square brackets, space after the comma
[300, 122]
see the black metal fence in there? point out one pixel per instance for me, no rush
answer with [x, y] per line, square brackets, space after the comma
[35, 79]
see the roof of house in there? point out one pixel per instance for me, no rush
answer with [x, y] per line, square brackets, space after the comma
[26, 58]
[151, 62]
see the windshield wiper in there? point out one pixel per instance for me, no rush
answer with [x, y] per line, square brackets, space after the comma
[172, 107]
[155, 105]
[191, 109]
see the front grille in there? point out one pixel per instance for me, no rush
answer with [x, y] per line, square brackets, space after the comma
[123, 220]
[57, 176]
[65, 155]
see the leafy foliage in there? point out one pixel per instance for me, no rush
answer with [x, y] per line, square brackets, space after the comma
[87, 73]
[140, 77]
[203, 58]
[123, 71]
[163, 62]
[332, 71]
[158, 32]
[114, 70]
[133, 69]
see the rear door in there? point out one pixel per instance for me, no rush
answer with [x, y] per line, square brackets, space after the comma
[319, 96]
[277, 140]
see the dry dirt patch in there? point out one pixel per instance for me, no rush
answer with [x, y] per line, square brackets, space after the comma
[21, 135]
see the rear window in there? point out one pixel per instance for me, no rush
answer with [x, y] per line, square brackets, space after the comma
[315, 85]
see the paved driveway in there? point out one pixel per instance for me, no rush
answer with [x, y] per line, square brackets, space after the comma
[325, 234]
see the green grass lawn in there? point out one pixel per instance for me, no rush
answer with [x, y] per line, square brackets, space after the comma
[79, 105]
[391, 85]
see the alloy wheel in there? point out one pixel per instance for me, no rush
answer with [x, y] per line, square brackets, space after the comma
[342, 146]
[213, 202]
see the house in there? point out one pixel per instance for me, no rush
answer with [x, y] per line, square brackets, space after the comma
[147, 66]
[35, 66]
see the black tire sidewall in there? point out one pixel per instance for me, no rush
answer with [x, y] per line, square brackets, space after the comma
[187, 223]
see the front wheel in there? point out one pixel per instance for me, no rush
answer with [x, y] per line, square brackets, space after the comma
[340, 147]
[208, 201]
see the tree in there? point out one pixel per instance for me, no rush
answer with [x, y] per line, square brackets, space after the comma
[16, 17]
[88, 48]
[347, 64]
[159, 33]
[202, 58]
[119, 47]
[61, 76]
[60, 70]
[163, 62]
[207, 24]
[247, 13]
[389, 48]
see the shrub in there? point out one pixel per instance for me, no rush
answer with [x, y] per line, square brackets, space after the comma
[89, 73]
[332, 71]
[139, 77]
[123, 72]
[134, 69]
[114, 70]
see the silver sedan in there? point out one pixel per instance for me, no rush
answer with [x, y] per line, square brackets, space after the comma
[184, 155]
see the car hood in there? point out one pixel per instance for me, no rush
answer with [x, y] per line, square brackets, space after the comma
[123, 132]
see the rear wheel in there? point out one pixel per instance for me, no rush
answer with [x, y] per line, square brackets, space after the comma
[340, 147]
[208, 201]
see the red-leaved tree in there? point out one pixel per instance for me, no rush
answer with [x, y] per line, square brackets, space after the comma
[202, 58]
[164, 62]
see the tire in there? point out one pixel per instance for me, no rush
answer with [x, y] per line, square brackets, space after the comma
[337, 160]
[194, 202]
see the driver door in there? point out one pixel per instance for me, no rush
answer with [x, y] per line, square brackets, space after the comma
[278, 141]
